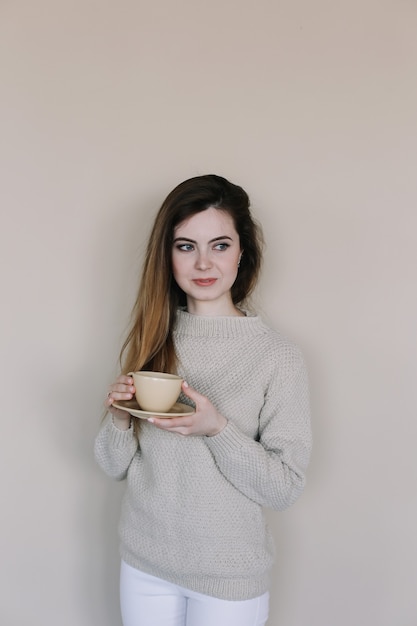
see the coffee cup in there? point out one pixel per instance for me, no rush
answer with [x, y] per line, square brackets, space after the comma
[156, 391]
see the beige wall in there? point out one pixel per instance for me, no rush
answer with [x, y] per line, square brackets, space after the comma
[312, 107]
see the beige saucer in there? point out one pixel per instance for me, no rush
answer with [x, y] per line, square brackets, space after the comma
[132, 407]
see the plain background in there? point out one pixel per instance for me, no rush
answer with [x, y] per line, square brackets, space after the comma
[311, 106]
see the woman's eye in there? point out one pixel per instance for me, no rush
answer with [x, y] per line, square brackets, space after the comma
[185, 247]
[221, 246]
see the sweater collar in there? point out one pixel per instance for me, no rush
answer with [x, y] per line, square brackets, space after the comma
[230, 326]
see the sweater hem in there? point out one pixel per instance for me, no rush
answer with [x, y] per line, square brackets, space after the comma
[231, 589]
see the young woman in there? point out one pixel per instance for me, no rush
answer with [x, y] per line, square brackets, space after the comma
[195, 548]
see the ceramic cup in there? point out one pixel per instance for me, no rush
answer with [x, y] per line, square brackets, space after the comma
[156, 391]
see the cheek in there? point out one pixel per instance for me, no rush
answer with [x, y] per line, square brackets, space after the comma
[177, 267]
[232, 264]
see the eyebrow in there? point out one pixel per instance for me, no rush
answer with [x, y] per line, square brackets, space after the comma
[193, 241]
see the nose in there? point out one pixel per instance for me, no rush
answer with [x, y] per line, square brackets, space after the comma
[203, 261]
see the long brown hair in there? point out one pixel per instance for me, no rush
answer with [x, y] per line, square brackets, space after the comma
[149, 344]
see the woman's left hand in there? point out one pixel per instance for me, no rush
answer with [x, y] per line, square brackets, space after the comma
[205, 421]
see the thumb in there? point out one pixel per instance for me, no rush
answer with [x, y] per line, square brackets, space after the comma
[190, 392]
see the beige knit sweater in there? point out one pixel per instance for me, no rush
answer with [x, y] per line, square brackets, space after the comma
[193, 508]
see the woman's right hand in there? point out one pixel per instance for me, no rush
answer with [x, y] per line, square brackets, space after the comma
[121, 389]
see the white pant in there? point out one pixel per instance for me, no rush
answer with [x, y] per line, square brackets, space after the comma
[149, 601]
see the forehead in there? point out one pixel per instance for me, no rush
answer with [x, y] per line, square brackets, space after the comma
[207, 224]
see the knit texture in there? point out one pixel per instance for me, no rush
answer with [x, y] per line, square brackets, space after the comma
[193, 508]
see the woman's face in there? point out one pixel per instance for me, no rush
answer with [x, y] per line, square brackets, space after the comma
[205, 256]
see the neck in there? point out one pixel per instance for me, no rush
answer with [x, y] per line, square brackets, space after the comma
[213, 309]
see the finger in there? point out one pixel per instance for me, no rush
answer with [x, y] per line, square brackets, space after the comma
[124, 379]
[122, 387]
[120, 392]
[191, 393]
[171, 423]
[180, 425]
[178, 430]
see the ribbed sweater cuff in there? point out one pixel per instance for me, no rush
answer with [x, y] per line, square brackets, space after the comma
[119, 438]
[228, 440]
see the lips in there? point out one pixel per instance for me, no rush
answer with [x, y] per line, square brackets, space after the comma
[204, 282]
